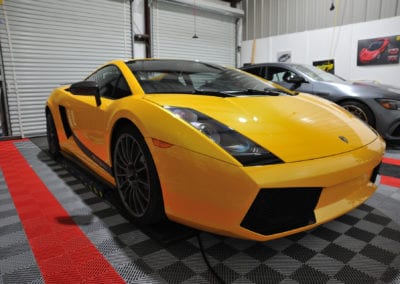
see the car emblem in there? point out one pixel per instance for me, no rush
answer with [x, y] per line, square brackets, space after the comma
[344, 139]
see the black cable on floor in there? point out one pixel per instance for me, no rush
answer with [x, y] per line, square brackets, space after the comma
[207, 262]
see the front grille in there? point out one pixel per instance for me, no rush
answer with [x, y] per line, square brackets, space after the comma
[276, 210]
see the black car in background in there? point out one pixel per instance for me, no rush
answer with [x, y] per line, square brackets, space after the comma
[376, 104]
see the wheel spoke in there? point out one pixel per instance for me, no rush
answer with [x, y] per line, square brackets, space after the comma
[141, 169]
[132, 201]
[124, 155]
[121, 169]
[124, 187]
[138, 156]
[145, 183]
[127, 146]
[138, 204]
[144, 192]
[121, 158]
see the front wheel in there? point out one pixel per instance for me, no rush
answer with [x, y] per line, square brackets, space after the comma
[360, 110]
[136, 177]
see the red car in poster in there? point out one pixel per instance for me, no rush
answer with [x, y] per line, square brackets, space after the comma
[374, 50]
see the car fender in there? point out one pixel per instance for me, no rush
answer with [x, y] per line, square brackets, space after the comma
[183, 135]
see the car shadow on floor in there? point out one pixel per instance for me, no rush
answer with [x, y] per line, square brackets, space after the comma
[165, 232]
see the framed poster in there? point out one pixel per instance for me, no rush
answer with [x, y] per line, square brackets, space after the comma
[377, 51]
[326, 65]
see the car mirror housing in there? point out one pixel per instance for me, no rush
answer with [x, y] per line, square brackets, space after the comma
[86, 88]
[296, 79]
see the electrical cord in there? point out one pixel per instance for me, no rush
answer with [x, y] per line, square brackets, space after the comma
[220, 280]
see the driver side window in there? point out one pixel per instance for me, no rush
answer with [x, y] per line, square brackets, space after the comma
[278, 75]
[111, 82]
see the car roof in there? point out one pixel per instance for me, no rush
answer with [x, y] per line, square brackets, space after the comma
[272, 64]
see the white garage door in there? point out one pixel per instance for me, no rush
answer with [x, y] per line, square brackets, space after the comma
[46, 43]
[175, 22]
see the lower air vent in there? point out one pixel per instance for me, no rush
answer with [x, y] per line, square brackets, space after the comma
[375, 173]
[396, 132]
[277, 210]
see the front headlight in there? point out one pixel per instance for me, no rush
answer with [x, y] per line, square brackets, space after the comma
[247, 152]
[389, 104]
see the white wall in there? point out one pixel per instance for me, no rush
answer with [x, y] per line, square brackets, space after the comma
[339, 43]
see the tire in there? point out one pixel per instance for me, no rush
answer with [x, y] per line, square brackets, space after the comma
[360, 110]
[52, 138]
[136, 177]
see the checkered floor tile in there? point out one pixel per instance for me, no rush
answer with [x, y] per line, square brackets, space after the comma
[362, 246]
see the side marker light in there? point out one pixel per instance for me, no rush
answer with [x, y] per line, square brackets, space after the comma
[161, 144]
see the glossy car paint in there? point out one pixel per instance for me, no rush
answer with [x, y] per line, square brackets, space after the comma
[387, 121]
[205, 187]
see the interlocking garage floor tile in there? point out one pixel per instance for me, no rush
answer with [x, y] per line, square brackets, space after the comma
[17, 264]
[362, 246]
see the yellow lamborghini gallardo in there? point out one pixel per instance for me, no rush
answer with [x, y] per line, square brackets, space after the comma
[215, 148]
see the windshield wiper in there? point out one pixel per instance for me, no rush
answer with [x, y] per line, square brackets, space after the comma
[275, 92]
[266, 91]
[269, 92]
[214, 92]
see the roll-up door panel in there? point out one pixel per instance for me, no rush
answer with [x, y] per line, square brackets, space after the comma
[173, 27]
[48, 43]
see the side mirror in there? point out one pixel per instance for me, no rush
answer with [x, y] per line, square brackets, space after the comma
[295, 79]
[86, 88]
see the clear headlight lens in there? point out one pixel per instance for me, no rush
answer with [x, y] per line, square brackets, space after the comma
[247, 152]
[389, 104]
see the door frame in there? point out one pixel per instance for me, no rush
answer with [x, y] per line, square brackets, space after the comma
[4, 113]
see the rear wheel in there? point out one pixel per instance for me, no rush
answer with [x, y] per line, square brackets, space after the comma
[136, 177]
[52, 138]
[360, 110]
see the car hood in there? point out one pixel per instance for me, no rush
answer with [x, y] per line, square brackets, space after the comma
[294, 128]
[362, 90]
[386, 91]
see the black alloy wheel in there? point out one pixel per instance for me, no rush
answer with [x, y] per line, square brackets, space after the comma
[136, 177]
[360, 110]
[52, 138]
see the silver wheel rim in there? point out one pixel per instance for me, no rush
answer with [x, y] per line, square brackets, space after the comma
[132, 175]
[357, 112]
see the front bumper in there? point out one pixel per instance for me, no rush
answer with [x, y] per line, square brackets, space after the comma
[214, 196]
[393, 131]
[388, 124]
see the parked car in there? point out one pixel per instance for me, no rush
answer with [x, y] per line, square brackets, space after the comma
[376, 104]
[215, 148]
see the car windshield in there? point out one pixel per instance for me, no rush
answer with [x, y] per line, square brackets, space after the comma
[375, 45]
[193, 77]
[318, 74]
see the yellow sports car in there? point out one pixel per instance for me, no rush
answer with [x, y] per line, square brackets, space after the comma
[215, 148]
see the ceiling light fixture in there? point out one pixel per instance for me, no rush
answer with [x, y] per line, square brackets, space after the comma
[332, 6]
[195, 19]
